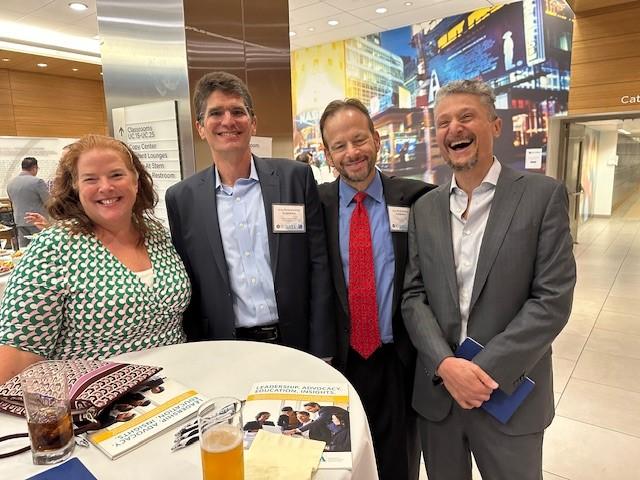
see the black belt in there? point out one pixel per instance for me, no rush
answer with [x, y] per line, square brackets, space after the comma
[266, 333]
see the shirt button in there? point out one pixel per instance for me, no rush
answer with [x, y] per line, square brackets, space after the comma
[467, 264]
[467, 232]
[253, 279]
[247, 254]
[241, 225]
[237, 199]
[261, 307]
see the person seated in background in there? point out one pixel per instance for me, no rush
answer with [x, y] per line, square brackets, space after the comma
[258, 423]
[340, 433]
[105, 278]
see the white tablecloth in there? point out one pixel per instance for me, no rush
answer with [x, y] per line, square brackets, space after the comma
[213, 369]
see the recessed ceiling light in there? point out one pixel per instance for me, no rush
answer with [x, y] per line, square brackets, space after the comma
[381, 10]
[96, 37]
[311, 29]
[100, 73]
[74, 69]
[292, 33]
[333, 23]
[408, 4]
[6, 59]
[77, 6]
[41, 65]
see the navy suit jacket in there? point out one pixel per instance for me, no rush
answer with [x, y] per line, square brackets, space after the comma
[298, 260]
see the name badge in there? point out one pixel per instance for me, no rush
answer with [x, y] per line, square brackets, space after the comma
[398, 218]
[288, 218]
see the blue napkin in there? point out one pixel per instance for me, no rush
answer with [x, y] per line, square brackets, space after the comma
[72, 469]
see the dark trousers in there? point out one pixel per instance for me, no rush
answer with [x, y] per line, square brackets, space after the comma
[447, 445]
[384, 385]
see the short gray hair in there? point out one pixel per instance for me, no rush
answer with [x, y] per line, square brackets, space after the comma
[471, 87]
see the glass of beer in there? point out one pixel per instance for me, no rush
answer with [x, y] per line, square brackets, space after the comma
[221, 445]
[46, 400]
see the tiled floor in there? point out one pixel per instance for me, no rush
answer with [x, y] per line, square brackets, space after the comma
[596, 432]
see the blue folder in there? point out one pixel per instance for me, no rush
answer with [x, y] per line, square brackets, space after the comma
[500, 405]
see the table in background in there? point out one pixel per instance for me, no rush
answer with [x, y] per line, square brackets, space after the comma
[213, 369]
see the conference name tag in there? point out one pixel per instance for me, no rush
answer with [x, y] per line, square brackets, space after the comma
[398, 218]
[288, 218]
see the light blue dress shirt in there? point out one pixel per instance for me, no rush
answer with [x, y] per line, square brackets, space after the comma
[383, 256]
[243, 228]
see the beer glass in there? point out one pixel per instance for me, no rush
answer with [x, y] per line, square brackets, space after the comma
[46, 400]
[221, 445]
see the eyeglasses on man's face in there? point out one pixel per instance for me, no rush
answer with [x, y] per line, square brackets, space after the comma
[217, 114]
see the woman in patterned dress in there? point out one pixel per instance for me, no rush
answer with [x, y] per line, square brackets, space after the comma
[105, 278]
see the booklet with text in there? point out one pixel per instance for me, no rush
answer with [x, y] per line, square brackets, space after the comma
[144, 413]
[317, 411]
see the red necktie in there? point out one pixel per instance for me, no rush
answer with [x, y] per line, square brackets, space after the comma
[363, 307]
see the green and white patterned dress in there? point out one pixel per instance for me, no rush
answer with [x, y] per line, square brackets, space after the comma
[69, 297]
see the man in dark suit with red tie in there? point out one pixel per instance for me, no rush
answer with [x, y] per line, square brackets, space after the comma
[366, 217]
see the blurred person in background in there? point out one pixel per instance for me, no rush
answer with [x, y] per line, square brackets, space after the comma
[307, 158]
[105, 278]
[28, 194]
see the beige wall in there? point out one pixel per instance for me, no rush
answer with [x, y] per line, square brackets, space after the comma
[605, 63]
[40, 105]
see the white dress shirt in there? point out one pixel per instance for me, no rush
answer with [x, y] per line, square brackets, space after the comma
[466, 234]
[245, 239]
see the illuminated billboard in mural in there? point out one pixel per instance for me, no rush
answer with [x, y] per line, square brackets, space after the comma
[522, 49]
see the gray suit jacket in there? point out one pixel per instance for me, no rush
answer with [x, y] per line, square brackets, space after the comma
[521, 299]
[298, 260]
[27, 194]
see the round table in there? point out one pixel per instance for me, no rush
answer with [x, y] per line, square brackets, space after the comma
[214, 369]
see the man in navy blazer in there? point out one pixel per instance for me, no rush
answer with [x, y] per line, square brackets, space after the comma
[250, 233]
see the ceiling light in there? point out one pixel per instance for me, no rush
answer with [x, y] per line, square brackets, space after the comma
[625, 132]
[292, 33]
[333, 23]
[408, 4]
[381, 10]
[96, 37]
[311, 29]
[6, 59]
[78, 7]
[42, 65]
[100, 73]
[74, 69]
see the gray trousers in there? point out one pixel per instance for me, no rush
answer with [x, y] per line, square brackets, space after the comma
[447, 447]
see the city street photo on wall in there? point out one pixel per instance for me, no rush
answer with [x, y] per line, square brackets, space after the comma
[522, 49]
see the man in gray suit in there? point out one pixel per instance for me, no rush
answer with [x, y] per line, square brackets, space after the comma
[250, 233]
[28, 194]
[490, 257]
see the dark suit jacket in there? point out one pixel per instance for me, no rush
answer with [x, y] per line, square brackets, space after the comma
[521, 298]
[398, 192]
[298, 260]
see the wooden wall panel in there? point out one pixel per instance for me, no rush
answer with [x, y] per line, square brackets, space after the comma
[40, 105]
[605, 63]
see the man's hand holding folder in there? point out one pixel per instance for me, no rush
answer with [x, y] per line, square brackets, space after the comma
[498, 404]
[467, 383]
